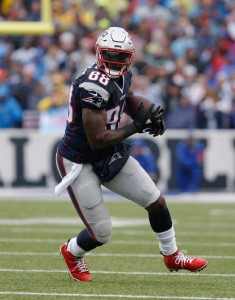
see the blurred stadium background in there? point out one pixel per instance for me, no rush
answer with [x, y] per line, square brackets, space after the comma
[184, 61]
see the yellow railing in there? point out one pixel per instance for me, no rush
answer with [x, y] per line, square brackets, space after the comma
[44, 26]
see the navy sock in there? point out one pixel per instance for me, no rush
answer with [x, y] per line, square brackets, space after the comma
[86, 241]
[160, 222]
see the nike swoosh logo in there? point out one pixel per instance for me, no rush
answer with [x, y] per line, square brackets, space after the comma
[94, 94]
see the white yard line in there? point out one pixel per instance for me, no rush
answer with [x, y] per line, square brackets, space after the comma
[178, 233]
[121, 273]
[133, 255]
[147, 243]
[116, 242]
[136, 232]
[115, 296]
[116, 222]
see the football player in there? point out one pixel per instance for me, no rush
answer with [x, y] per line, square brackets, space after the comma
[92, 153]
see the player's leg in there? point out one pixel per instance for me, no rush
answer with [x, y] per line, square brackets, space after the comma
[86, 196]
[160, 221]
[135, 184]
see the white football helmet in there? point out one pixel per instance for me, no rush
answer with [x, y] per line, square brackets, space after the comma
[114, 51]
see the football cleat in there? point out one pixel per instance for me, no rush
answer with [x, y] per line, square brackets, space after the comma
[77, 265]
[179, 260]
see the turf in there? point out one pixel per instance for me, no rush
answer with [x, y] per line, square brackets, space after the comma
[129, 267]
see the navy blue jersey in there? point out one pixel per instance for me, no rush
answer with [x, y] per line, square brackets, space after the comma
[92, 89]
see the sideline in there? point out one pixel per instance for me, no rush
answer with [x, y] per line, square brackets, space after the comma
[116, 242]
[115, 296]
[47, 194]
[122, 273]
[132, 255]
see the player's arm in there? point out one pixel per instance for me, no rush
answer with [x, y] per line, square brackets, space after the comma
[128, 99]
[99, 137]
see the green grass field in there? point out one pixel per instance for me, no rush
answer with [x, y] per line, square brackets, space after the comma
[129, 267]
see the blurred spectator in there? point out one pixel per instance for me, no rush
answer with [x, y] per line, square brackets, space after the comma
[56, 81]
[171, 96]
[27, 52]
[3, 76]
[153, 11]
[183, 42]
[85, 57]
[206, 42]
[144, 156]
[67, 42]
[233, 105]
[53, 112]
[58, 94]
[183, 116]
[62, 17]
[185, 49]
[23, 89]
[34, 11]
[14, 10]
[230, 20]
[53, 109]
[114, 8]
[4, 50]
[54, 59]
[11, 113]
[194, 86]
[143, 87]
[189, 158]
[224, 104]
[207, 110]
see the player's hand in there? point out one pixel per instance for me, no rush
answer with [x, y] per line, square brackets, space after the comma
[157, 130]
[143, 118]
[157, 126]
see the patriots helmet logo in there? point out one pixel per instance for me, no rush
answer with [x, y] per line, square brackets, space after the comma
[115, 156]
[95, 98]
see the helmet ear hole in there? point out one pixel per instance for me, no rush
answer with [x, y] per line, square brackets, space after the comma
[114, 51]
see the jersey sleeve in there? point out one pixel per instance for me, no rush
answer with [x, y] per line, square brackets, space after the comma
[93, 96]
[94, 89]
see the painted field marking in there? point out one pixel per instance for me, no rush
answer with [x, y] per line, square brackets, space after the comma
[121, 273]
[202, 244]
[134, 255]
[113, 296]
[116, 242]
[116, 222]
[136, 232]
[178, 233]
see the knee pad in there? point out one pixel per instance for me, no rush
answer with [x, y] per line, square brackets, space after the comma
[103, 231]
